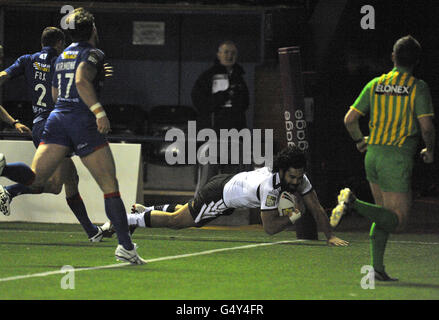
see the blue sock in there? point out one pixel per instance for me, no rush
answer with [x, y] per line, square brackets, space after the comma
[17, 189]
[19, 172]
[77, 206]
[115, 210]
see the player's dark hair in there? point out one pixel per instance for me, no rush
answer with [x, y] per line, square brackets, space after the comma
[407, 51]
[83, 25]
[51, 35]
[290, 157]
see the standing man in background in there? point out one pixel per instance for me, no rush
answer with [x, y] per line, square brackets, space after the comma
[401, 112]
[221, 98]
[220, 94]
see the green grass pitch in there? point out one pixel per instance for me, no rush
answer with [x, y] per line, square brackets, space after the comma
[209, 264]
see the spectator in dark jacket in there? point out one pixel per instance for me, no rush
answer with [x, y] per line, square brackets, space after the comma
[220, 94]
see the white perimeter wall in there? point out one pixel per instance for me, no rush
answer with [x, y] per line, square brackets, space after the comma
[53, 208]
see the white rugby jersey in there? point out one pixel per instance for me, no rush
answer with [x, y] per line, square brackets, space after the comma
[257, 189]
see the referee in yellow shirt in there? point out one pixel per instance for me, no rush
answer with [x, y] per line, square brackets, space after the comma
[401, 112]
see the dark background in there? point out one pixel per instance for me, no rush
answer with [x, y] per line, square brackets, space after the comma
[336, 51]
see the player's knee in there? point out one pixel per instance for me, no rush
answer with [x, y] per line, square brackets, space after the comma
[109, 184]
[39, 182]
[54, 187]
[270, 230]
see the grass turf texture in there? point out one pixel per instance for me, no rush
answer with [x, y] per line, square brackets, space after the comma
[286, 271]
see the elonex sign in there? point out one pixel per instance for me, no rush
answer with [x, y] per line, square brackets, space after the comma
[392, 89]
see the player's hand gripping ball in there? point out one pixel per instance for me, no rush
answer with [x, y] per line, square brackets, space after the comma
[288, 206]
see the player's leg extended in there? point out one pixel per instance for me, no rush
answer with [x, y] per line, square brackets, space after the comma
[389, 183]
[188, 214]
[169, 207]
[53, 185]
[384, 222]
[16, 171]
[101, 165]
[383, 216]
[45, 161]
[385, 219]
[181, 218]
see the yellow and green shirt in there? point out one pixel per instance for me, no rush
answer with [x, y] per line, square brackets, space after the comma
[394, 102]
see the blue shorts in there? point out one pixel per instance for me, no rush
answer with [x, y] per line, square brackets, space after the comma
[78, 131]
[37, 132]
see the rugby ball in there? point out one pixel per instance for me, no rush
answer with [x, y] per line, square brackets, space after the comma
[288, 206]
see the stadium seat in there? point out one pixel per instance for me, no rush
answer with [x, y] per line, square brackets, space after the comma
[126, 119]
[161, 119]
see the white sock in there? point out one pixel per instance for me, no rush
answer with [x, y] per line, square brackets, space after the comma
[136, 219]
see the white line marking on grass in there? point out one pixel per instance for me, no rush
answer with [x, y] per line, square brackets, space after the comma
[49, 273]
[124, 264]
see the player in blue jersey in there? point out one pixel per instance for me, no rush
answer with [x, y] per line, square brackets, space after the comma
[79, 123]
[17, 171]
[38, 69]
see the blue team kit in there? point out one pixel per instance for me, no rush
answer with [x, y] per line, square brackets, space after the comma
[71, 123]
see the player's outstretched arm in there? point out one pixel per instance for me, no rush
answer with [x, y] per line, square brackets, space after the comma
[312, 204]
[6, 117]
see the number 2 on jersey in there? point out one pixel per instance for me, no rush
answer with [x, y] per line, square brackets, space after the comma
[40, 102]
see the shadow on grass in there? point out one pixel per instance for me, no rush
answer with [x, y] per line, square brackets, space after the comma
[410, 285]
[62, 244]
[310, 243]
